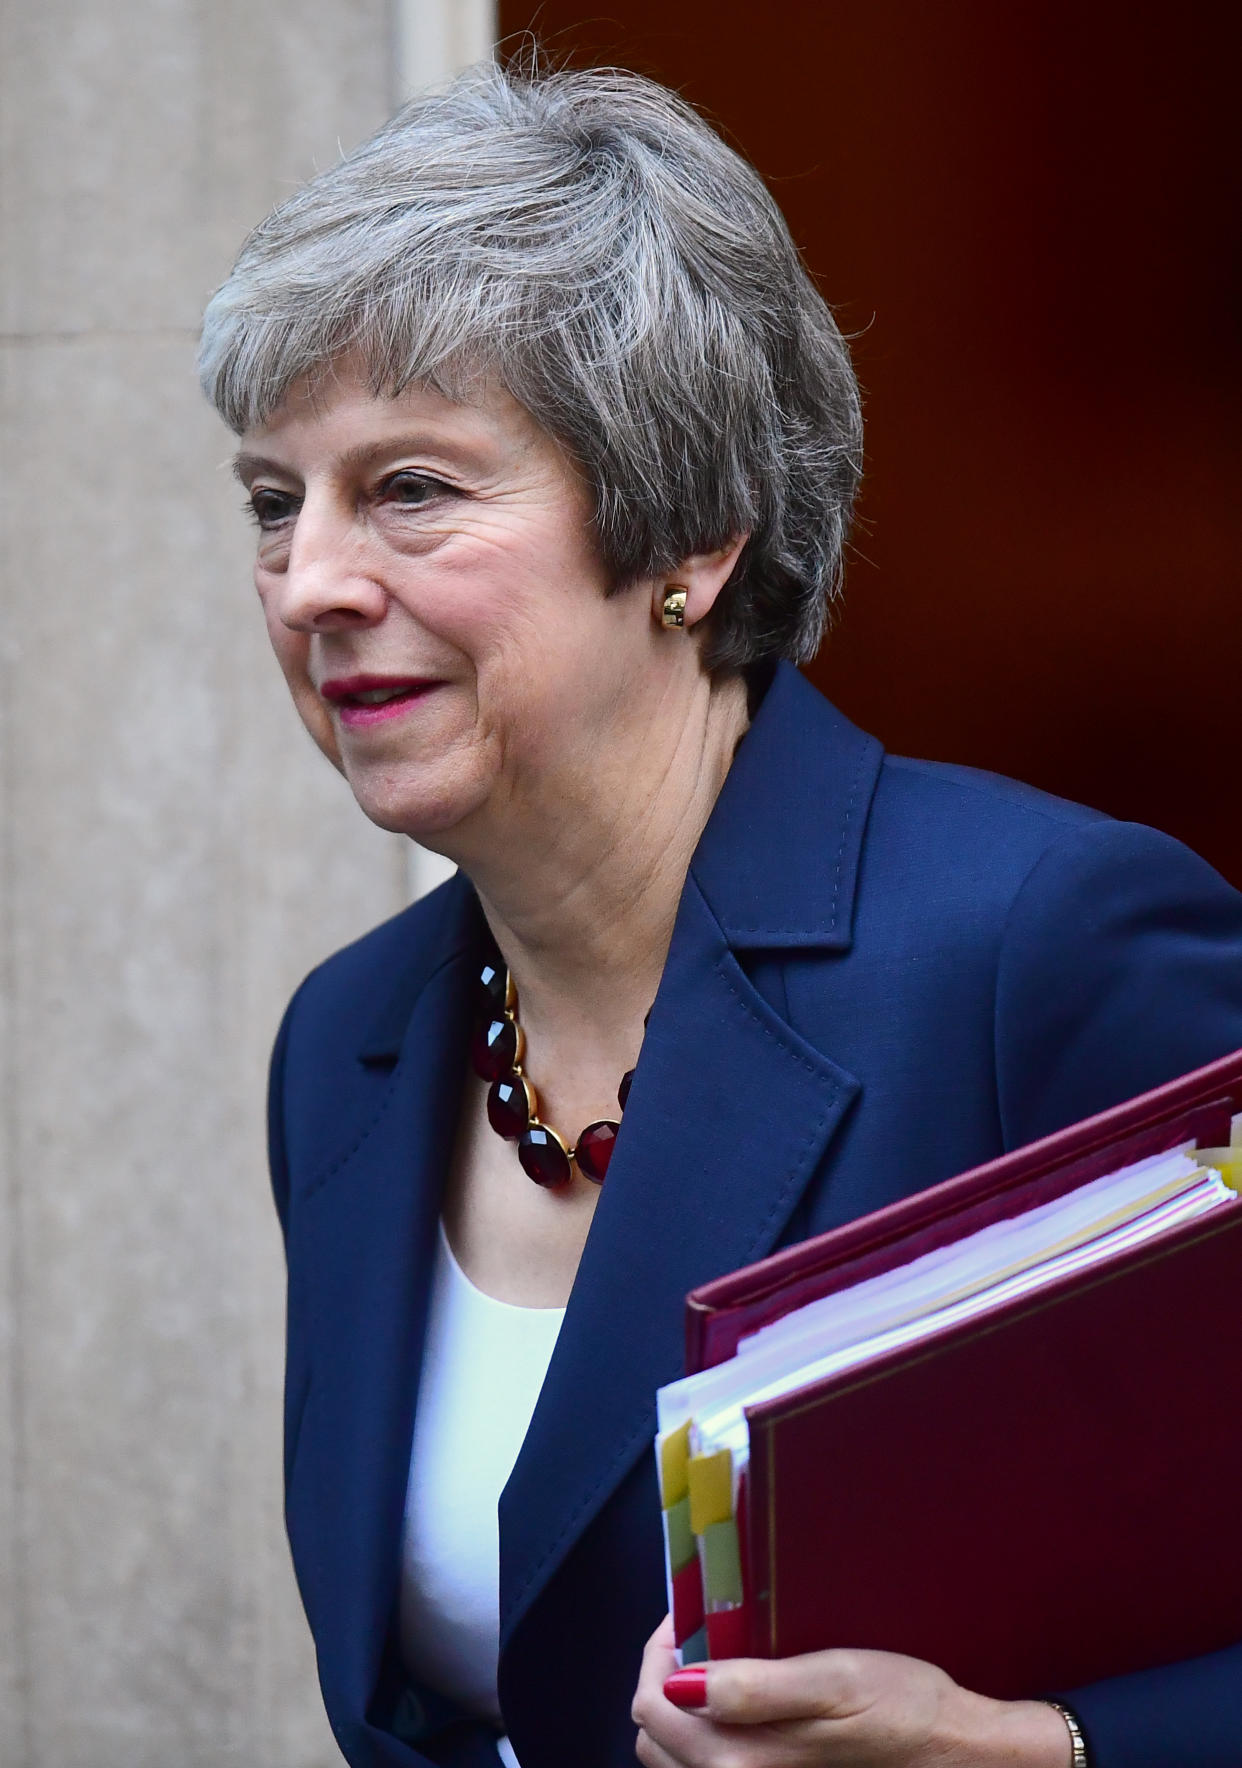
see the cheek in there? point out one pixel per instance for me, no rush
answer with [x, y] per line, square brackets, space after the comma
[536, 633]
[467, 604]
[506, 589]
[293, 654]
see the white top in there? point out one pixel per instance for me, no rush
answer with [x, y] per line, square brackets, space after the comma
[483, 1366]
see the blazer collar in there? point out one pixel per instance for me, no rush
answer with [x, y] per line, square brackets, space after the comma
[778, 860]
[457, 929]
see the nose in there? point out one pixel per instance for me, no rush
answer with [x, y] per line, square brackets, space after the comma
[329, 581]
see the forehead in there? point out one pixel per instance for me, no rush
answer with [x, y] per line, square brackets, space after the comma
[337, 418]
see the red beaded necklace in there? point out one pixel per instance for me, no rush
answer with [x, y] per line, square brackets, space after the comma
[496, 1052]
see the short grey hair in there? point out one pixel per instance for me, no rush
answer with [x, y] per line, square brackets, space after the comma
[585, 238]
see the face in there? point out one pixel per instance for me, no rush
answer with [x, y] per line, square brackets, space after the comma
[433, 593]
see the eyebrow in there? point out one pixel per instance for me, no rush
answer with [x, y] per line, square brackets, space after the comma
[249, 466]
[362, 455]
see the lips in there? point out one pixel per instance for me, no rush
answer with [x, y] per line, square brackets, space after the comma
[362, 700]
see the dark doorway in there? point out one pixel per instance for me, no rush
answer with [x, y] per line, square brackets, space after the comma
[1029, 214]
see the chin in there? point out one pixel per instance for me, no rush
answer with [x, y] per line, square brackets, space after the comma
[425, 809]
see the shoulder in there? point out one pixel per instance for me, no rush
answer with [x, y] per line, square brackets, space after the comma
[1111, 953]
[942, 831]
[821, 839]
[955, 841]
[964, 830]
[975, 794]
[957, 861]
[981, 928]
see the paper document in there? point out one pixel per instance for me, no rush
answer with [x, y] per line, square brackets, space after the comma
[703, 1444]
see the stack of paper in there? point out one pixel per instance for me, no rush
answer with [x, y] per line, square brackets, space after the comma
[703, 1444]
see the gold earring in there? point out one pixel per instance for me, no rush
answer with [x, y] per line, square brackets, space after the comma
[673, 613]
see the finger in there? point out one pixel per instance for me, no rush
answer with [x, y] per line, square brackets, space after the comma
[659, 1661]
[667, 1737]
[659, 1653]
[759, 1691]
[653, 1755]
[693, 1741]
[650, 1711]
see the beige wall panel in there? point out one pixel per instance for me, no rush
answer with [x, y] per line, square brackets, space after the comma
[184, 855]
[138, 140]
[173, 857]
[12, 1579]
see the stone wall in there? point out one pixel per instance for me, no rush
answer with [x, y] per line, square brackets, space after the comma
[173, 856]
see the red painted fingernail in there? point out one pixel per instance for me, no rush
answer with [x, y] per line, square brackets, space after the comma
[687, 1688]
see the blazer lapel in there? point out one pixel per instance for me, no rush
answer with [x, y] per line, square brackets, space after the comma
[368, 1228]
[728, 1119]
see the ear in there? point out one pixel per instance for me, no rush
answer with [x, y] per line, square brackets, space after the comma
[702, 576]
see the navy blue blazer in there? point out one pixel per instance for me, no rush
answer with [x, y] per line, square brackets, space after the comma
[883, 972]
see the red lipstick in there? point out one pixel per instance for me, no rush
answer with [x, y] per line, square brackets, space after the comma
[362, 700]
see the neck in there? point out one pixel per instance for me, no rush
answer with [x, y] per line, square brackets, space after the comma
[581, 888]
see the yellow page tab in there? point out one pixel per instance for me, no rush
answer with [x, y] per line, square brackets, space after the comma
[674, 1458]
[1226, 1161]
[711, 1489]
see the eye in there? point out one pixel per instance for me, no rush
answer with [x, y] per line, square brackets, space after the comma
[411, 490]
[269, 508]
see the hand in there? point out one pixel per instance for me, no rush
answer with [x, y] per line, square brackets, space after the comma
[859, 1709]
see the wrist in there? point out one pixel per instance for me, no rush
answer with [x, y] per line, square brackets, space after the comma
[1018, 1733]
[1036, 1735]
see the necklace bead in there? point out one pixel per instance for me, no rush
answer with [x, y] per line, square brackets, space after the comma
[497, 1047]
[594, 1148]
[496, 991]
[511, 1104]
[497, 1051]
[544, 1157]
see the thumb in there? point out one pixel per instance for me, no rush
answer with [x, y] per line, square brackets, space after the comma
[759, 1691]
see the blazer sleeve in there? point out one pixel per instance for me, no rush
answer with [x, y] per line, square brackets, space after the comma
[1121, 968]
[277, 1154]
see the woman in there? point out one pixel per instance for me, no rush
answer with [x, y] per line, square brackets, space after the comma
[551, 446]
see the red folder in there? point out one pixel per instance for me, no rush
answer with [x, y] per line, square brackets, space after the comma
[1034, 1499]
